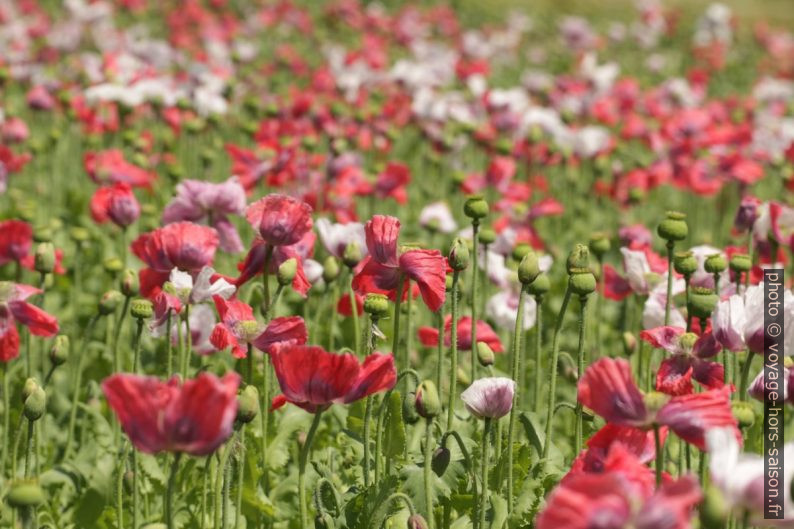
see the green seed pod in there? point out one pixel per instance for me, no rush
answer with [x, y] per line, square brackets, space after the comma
[352, 255]
[702, 302]
[520, 250]
[673, 227]
[110, 301]
[44, 261]
[629, 343]
[59, 352]
[35, 404]
[42, 234]
[440, 461]
[578, 259]
[330, 269]
[459, 255]
[416, 521]
[685, 263]
[487, 236]
[377, 305]
[141, 309]
[113, 265]
[410, 416]
[743, 411]
[715, 264]
[713, 509]
[540, 285]
[582, 282]
[248, 404]
[130, 284]
[528, 268]
[286, 272]
[741, 263]
[485, 354]
[599, 244]
[654, 401]
[79, 234]
[428, 403]
[476, 208]
[24, 494]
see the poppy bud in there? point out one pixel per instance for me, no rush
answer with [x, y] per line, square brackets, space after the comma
[428, 404]
[582, 282]
[654, 401]
[713, 509]
[702, 302]
[35, 404]
[110, 301]
[113, 265]
[323, 521]
[352, 255]
[286, 271]
[24, 494]
[28, 388]
[463, 377]
[440, 461]
[59, 352]
[45, 258]
[416, 521]
[330, 269]
[410, 415]
[685, 263]
[743, 411]
[141, 309]
[207, 157]
[687, 341]
[578, 259]
[485, 354]
[130, 284]
[376, 305]
[248, 404]
[599, 244]
[459, 255]
[741, 263]
[715, 264]
[629, 343]
[540, 285]
[528, 268]
[487, 236]
[476, 208]
[673, 227]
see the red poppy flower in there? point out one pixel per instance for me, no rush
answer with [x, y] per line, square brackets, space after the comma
[110, 166]
[689, 360]
[16, 239]
[429, 335]
[158, 416]
[382, 271]
[607, 388]
[392, 181]
[279, 219]
[254, 262]
[183, 245]
[14, 309]
[615, 286]
[312, 378]
[116, 203]
[640, 443]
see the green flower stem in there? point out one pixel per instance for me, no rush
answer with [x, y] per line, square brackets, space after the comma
[208, 471]
[120, 486]
[188, 344]
[688, 312]
[303, 459]
[265, 282]
[516, 374]
[368, 412]
[6, 416]
[538, 342]
[440, 347]
[475, 225]
[395, 346]
[29, 451]
[580, 371]
[486, 282]
[466, 457]
[249, 364]
[135, 491]
[354, 314]
[265, 416]
[17, 441]
[77, 386]
[427, 469]
[333, 313]
[169, 349]
[669, 300]
[745, 375]
[136, 351]
[486, 432]
[453, 343]
[659, 455]
[408, 328]
[117, 334]
[238, 512]
[169, 492]
[382, 416]
[220, 474]
[555, 354]
[227, 484]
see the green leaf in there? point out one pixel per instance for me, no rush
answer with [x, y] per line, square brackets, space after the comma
[151, 469]
[90, 507]
[498, 512]
[393, 428]
[278, 449]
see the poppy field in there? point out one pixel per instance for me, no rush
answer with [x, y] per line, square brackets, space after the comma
[358, 265]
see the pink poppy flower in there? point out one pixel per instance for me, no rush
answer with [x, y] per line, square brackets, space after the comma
[14, 309]
[489, 398]
[254, 262]
[336, 237]
[195, 418]
[196, 201]
[429, 335]
[14, 130]
[689, 360]
[110, 167]
[279, 219]
[314, 379]
[116, 203]
[392, 181]
[39, 98]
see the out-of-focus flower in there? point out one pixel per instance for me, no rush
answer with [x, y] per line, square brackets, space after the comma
[16, 239]
[690, 359]
[14, 309]
[280, 220]
[429, 335]
[438, 216]
[116, 203]
[336, 237]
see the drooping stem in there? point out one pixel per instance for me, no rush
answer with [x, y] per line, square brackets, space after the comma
[538, 342]
[475, 225]
[516, 373]
[303, 459]
[745, 374]
[580, 371]
[453, 342]
[169, 492]
[669, 300]
[486, 432]
[430, 498]
[77, 386]
[659, 454]
[555, 354]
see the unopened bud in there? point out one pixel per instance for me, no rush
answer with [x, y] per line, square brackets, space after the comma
[330, 269]
[459, 255]
[743, 411]
[582, 282]
[713, 509]
[428, 403]
[248, 404]
[673, 227]
[30, 385]
[352, 255]
[35, 404]
[410, 415]
[59, 352]
[45, 258]
[440, 461]
[578, 259]
[25, 494]
[528, 268]
[599, 244]
[629, 343]
[79, 234]
[540, 285]
[113, 265]
[485, 354]
[416, 521]
[130, 284]
[476, 208]
[110, 301]
[286, 272]
[487, 236]
[741, 262]
[141, 309]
